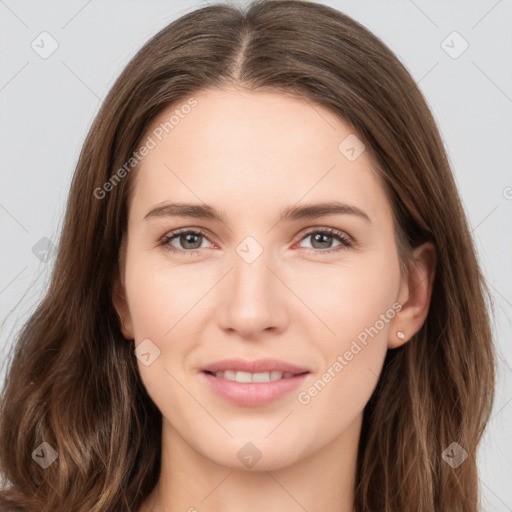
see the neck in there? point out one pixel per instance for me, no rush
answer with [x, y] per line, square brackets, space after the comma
[323, 481]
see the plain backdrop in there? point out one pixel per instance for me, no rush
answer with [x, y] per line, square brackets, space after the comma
[460, 53]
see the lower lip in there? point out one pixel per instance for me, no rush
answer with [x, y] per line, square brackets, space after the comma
[252, 394]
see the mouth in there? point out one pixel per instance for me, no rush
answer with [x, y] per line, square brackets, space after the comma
[239, 376]
[252, 383]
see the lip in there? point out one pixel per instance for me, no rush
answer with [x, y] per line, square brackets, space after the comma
[254, 366]
[252, 394]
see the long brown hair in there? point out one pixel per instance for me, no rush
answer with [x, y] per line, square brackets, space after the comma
[73, 380]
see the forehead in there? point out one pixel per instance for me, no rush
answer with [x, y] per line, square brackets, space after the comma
[258, 150]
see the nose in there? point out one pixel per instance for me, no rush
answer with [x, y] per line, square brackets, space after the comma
[253, 298]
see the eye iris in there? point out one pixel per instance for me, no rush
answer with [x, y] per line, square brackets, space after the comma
[188, 238]
[321, 238]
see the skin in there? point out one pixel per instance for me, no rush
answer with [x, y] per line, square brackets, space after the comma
[251, 154]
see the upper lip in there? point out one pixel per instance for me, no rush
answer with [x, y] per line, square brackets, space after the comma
[253, 366]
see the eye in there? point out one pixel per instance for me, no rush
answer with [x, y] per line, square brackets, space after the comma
[323, 238]
[190, 239]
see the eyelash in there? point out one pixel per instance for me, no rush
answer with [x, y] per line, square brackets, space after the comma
[346, 242]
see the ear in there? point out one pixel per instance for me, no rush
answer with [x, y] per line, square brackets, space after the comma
[119, 298]
[415, 293]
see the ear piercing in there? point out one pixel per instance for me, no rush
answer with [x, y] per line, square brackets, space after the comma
[400, 334]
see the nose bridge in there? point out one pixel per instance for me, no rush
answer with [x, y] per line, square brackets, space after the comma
[251, 276]
[254, 299]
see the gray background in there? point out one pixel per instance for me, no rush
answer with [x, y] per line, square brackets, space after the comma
[48, 104]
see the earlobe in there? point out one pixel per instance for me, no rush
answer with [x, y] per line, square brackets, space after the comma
[418, 292]
[121, 306]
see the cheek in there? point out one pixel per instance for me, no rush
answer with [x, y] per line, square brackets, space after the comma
[160, 301]
[157, 300]
[348, 300]
[160, 296]
[355, 304]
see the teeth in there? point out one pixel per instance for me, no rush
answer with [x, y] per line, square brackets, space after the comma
[261, 377]
[253, 377]
[243, 377]
[276, 375]
[228, 374]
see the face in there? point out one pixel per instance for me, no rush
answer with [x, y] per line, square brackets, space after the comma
[252, 282]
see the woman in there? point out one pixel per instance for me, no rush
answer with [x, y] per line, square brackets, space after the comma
[266, 295]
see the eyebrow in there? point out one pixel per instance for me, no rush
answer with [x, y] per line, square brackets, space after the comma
[291, 213]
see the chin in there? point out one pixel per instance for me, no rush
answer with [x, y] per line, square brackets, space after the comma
[256, 453]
